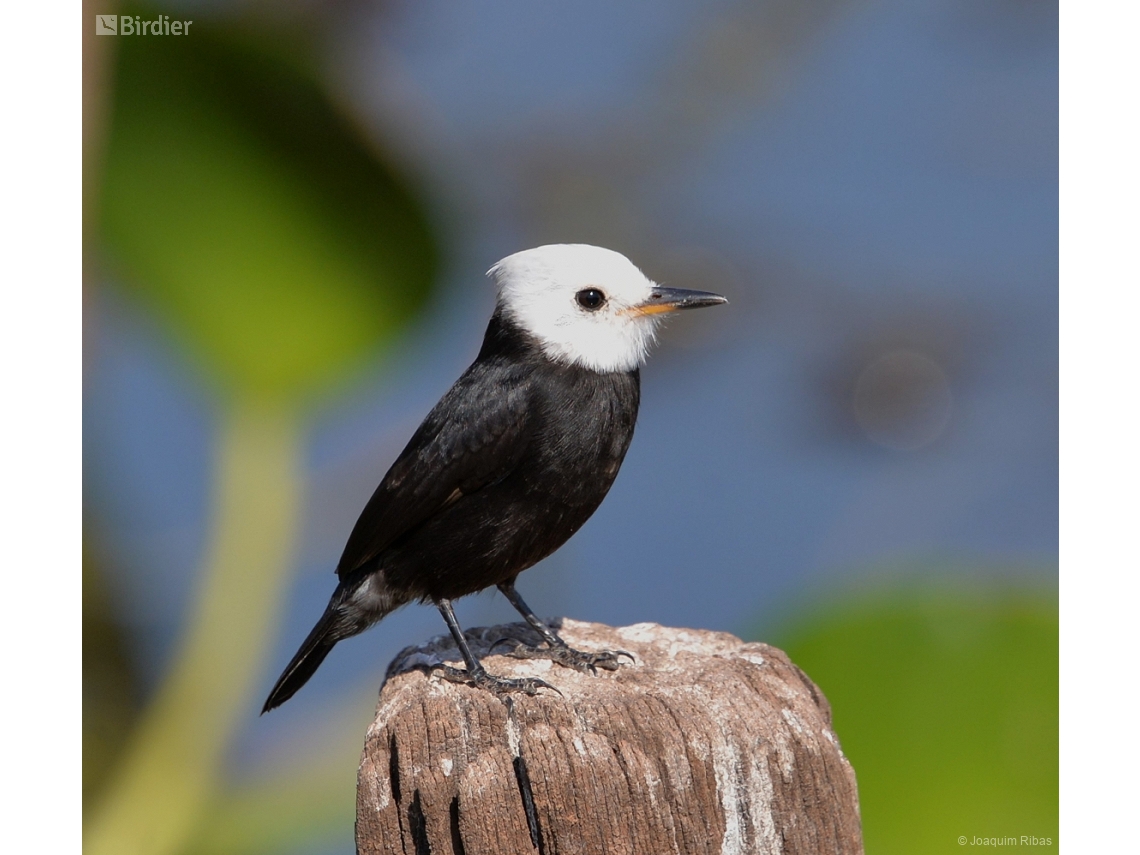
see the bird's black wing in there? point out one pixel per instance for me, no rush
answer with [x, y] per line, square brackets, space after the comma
[473, 437]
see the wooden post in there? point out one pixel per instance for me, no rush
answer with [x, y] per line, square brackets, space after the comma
[705, 744]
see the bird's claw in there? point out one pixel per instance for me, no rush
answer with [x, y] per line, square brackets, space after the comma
[626, 653]
[499, 641]
[499, 686]
[579, 660]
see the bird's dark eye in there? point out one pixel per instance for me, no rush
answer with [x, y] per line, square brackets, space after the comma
[590, 298]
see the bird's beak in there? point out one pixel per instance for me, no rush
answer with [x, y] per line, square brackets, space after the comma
[663, 300]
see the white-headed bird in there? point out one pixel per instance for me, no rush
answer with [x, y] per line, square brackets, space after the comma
[513, 459]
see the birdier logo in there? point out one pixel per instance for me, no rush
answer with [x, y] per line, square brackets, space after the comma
[125, 25]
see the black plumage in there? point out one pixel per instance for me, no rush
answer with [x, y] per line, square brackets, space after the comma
[508, 465]
[511, 462]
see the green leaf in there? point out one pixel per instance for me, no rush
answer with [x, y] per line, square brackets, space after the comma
[248, 212]
[946, 703]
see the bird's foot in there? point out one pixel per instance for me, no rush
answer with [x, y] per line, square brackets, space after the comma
[579, 660]
[499, 686]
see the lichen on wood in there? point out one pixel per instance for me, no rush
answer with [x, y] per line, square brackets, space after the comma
[704, 743]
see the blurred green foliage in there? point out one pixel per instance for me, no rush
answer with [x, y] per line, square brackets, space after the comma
[946, 703]
[245, 209]
[110, 685]
[304, 805]
[240, 206]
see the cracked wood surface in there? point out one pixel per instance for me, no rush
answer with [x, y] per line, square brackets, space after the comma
[705, 745]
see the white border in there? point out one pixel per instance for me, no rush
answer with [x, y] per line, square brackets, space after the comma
[1100, 333]
[40, 443]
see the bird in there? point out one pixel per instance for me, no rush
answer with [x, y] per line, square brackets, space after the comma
[511, 462]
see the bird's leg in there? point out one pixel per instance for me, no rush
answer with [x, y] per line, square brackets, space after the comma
[476, 675]
[551, 637]
[558, 650]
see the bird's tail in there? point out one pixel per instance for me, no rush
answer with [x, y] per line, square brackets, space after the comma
[303, 665]
[360, 600]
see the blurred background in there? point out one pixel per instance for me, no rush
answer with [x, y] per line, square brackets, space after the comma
[288, 212]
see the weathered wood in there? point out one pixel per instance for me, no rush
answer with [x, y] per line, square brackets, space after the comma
[706, 744]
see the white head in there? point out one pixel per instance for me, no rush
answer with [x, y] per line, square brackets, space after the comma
[587, 305]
